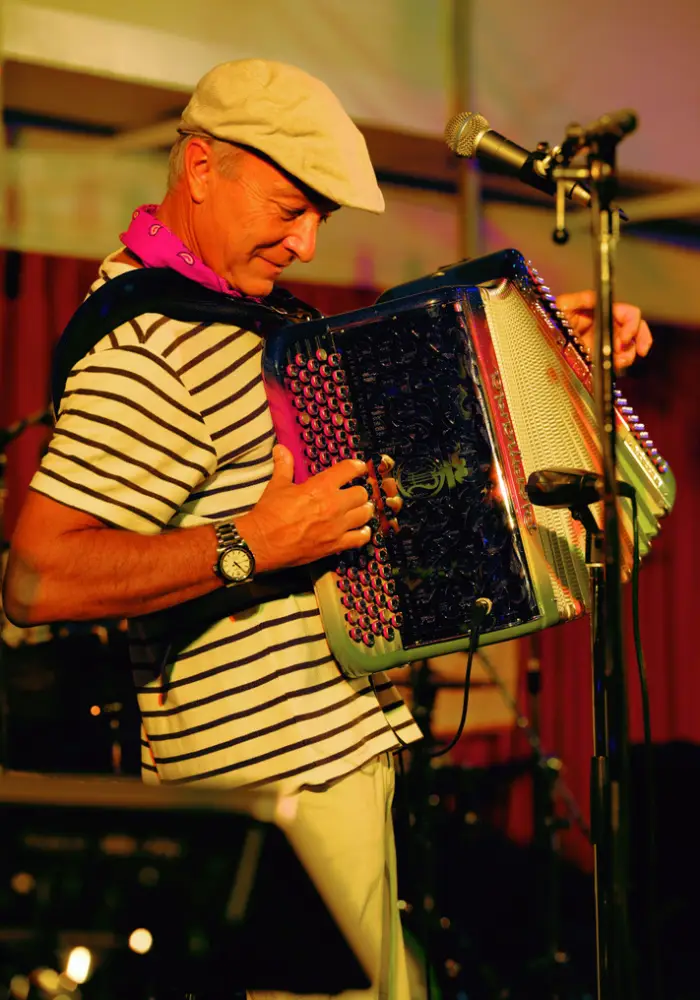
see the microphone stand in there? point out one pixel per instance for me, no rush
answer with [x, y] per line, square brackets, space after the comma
[610, 765]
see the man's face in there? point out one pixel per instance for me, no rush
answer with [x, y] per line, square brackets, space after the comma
[251, 225]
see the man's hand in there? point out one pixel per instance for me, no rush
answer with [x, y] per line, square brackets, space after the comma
[292, 525]
[631, 334]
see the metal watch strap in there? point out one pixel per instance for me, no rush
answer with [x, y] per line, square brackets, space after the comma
[227, 535]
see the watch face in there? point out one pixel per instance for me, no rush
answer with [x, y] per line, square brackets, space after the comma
[236, 564]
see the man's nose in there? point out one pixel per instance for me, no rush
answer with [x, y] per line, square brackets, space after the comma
[301, 241]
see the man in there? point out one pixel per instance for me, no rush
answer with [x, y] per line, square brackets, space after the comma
[162, 485]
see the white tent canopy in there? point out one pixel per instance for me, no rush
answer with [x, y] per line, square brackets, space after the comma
[401, 67]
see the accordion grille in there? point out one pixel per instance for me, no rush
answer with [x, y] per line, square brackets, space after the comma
[554, 425]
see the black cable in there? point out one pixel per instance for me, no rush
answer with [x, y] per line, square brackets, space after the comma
[482, 608]
[652, 868]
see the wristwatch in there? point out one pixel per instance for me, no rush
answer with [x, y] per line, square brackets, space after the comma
[235, 563]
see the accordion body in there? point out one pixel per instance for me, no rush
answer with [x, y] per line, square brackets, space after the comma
[470, 380]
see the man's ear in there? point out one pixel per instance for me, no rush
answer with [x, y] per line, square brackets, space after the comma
[199, 167]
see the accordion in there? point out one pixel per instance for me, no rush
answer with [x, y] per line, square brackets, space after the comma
[470, 380]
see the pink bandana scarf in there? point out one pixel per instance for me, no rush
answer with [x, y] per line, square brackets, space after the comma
[156, 246]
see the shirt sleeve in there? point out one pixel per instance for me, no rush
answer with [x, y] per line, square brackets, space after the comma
[129, 446]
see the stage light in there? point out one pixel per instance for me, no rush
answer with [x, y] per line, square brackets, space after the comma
[140, 941]
[79, 964]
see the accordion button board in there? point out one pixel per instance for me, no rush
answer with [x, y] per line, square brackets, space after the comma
[469, 388]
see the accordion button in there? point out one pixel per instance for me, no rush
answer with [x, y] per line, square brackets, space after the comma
[299, 402]
[385, 616]
[384, 572]
[344, 451]
[325, 371]
[364, 621]
[355, 589]
[376, 628]
[352, 573]
[317, 425]
[313, 365]
[332, 404]
[343, 585]
[292, 371]
[355, 633]
[312, 409]
[380, 600]
[381, 555]
[343, 393]
[332, 447]
[304, 376]
[304, 419]
[397, 621]
[321, 354]
[334, 360]
[300, 360]
[643, 436]
[368, 639]
[361, 606]
[364, 578]
[373, 566]
[392, 603]
[350, 424]
[338, 376]
[308, 436]
[311, 452]
[372, 611]
[389, 587]
[347, 602]
[328, 387]
[388, 633]
[368, 594]
[325, 414]
[315, 468]
[309, 393]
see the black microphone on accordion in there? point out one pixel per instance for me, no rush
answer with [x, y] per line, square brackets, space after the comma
[570, 488]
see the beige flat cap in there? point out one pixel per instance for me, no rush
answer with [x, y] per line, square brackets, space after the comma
[294, 119]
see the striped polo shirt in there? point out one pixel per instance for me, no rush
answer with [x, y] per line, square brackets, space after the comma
[164, 425]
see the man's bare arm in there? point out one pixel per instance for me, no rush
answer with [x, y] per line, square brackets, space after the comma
[66, 565]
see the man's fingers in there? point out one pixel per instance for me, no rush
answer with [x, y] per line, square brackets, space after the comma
[352, 497]
[354, 539]
[342, 473]
[644, 339]
[359, 516]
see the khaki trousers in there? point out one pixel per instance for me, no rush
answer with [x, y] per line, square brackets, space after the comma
[344, 836]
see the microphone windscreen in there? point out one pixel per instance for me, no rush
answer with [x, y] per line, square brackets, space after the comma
[462, 132]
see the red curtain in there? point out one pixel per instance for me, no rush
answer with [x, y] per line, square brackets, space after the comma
[38, 297]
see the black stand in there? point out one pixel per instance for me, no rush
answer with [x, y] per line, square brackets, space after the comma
[611, 765]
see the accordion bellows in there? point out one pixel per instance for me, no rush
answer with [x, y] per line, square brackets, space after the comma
[470, 380]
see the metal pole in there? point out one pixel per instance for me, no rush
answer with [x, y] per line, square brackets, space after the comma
[468, 178]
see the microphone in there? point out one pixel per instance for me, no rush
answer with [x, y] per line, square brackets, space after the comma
[569, 488]
[470, 135]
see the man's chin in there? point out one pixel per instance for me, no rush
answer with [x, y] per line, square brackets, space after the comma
[254, 287]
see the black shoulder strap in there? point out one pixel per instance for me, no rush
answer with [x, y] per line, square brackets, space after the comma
[165, 292]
